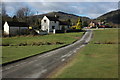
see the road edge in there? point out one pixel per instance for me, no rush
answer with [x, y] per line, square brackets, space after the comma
[7, 63]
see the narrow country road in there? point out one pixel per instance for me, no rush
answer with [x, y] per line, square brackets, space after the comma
[40, 65]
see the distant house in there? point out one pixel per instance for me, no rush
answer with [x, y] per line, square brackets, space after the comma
[15, 28]
[52, 23]
[92, 24]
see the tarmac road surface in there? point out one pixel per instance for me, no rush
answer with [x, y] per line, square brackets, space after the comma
[41, 65]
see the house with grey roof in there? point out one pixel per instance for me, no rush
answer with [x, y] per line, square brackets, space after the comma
[50, 24]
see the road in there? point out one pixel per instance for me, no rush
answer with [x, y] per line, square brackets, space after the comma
[41, 65]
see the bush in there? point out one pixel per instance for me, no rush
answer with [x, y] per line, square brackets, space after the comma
[5, 44]
[23, 44]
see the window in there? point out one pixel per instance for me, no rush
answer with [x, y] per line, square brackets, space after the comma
[45, 21]
[53, 27]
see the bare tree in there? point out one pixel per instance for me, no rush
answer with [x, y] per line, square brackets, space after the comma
[4, 10]
[20, 13]
[4, 15]
[23, 12]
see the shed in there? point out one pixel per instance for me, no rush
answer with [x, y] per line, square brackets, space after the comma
[15, 28]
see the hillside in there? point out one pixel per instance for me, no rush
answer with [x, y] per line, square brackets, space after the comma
[112, 17]
[35, 20]
[61, 15]
[65, 16]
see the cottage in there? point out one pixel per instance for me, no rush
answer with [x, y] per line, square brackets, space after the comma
[50, 24]
[15, 28]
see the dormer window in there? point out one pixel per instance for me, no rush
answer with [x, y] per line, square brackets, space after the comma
[44, 21]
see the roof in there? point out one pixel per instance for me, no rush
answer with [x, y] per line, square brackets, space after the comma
[52, 18]
[16, 24]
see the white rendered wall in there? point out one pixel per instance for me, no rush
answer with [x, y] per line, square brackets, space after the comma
[45, 25]
[6, 28]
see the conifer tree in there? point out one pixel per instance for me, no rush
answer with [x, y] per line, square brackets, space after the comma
[79, 24]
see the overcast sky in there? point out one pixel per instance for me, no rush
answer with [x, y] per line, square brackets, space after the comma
[89, 9]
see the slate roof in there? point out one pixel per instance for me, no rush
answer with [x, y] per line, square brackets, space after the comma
[16, 24]
[56, 19]
[52, 18]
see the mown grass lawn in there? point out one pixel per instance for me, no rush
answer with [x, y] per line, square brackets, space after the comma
[66, 38]
[94, 60]
[15, 52]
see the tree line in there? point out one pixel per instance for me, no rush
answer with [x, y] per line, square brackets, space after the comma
[23, 14]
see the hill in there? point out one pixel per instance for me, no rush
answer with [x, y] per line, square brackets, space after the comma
[35, 20]
[61, 15]
[65, 16]
[113, 18]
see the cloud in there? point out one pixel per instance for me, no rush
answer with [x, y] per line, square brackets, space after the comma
[55, 6]
[12, 7]
[90, 9]
[61, 0]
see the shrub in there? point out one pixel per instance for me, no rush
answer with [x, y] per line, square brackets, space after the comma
[5, 44]
[22, 44]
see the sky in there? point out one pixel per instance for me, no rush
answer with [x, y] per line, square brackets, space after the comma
[89, 9]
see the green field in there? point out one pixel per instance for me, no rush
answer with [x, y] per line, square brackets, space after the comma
[31, 45]
[94, 60]
[66, 38]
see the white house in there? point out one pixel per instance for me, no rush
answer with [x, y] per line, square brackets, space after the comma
[15, 28]
[50, 24]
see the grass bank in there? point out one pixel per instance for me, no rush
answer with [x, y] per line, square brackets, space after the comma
[20, 47]
[95, 60]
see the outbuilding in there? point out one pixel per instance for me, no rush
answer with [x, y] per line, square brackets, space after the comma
[15, 28]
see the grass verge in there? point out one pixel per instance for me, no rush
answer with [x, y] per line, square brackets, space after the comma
[14, 52]
[94, 60]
